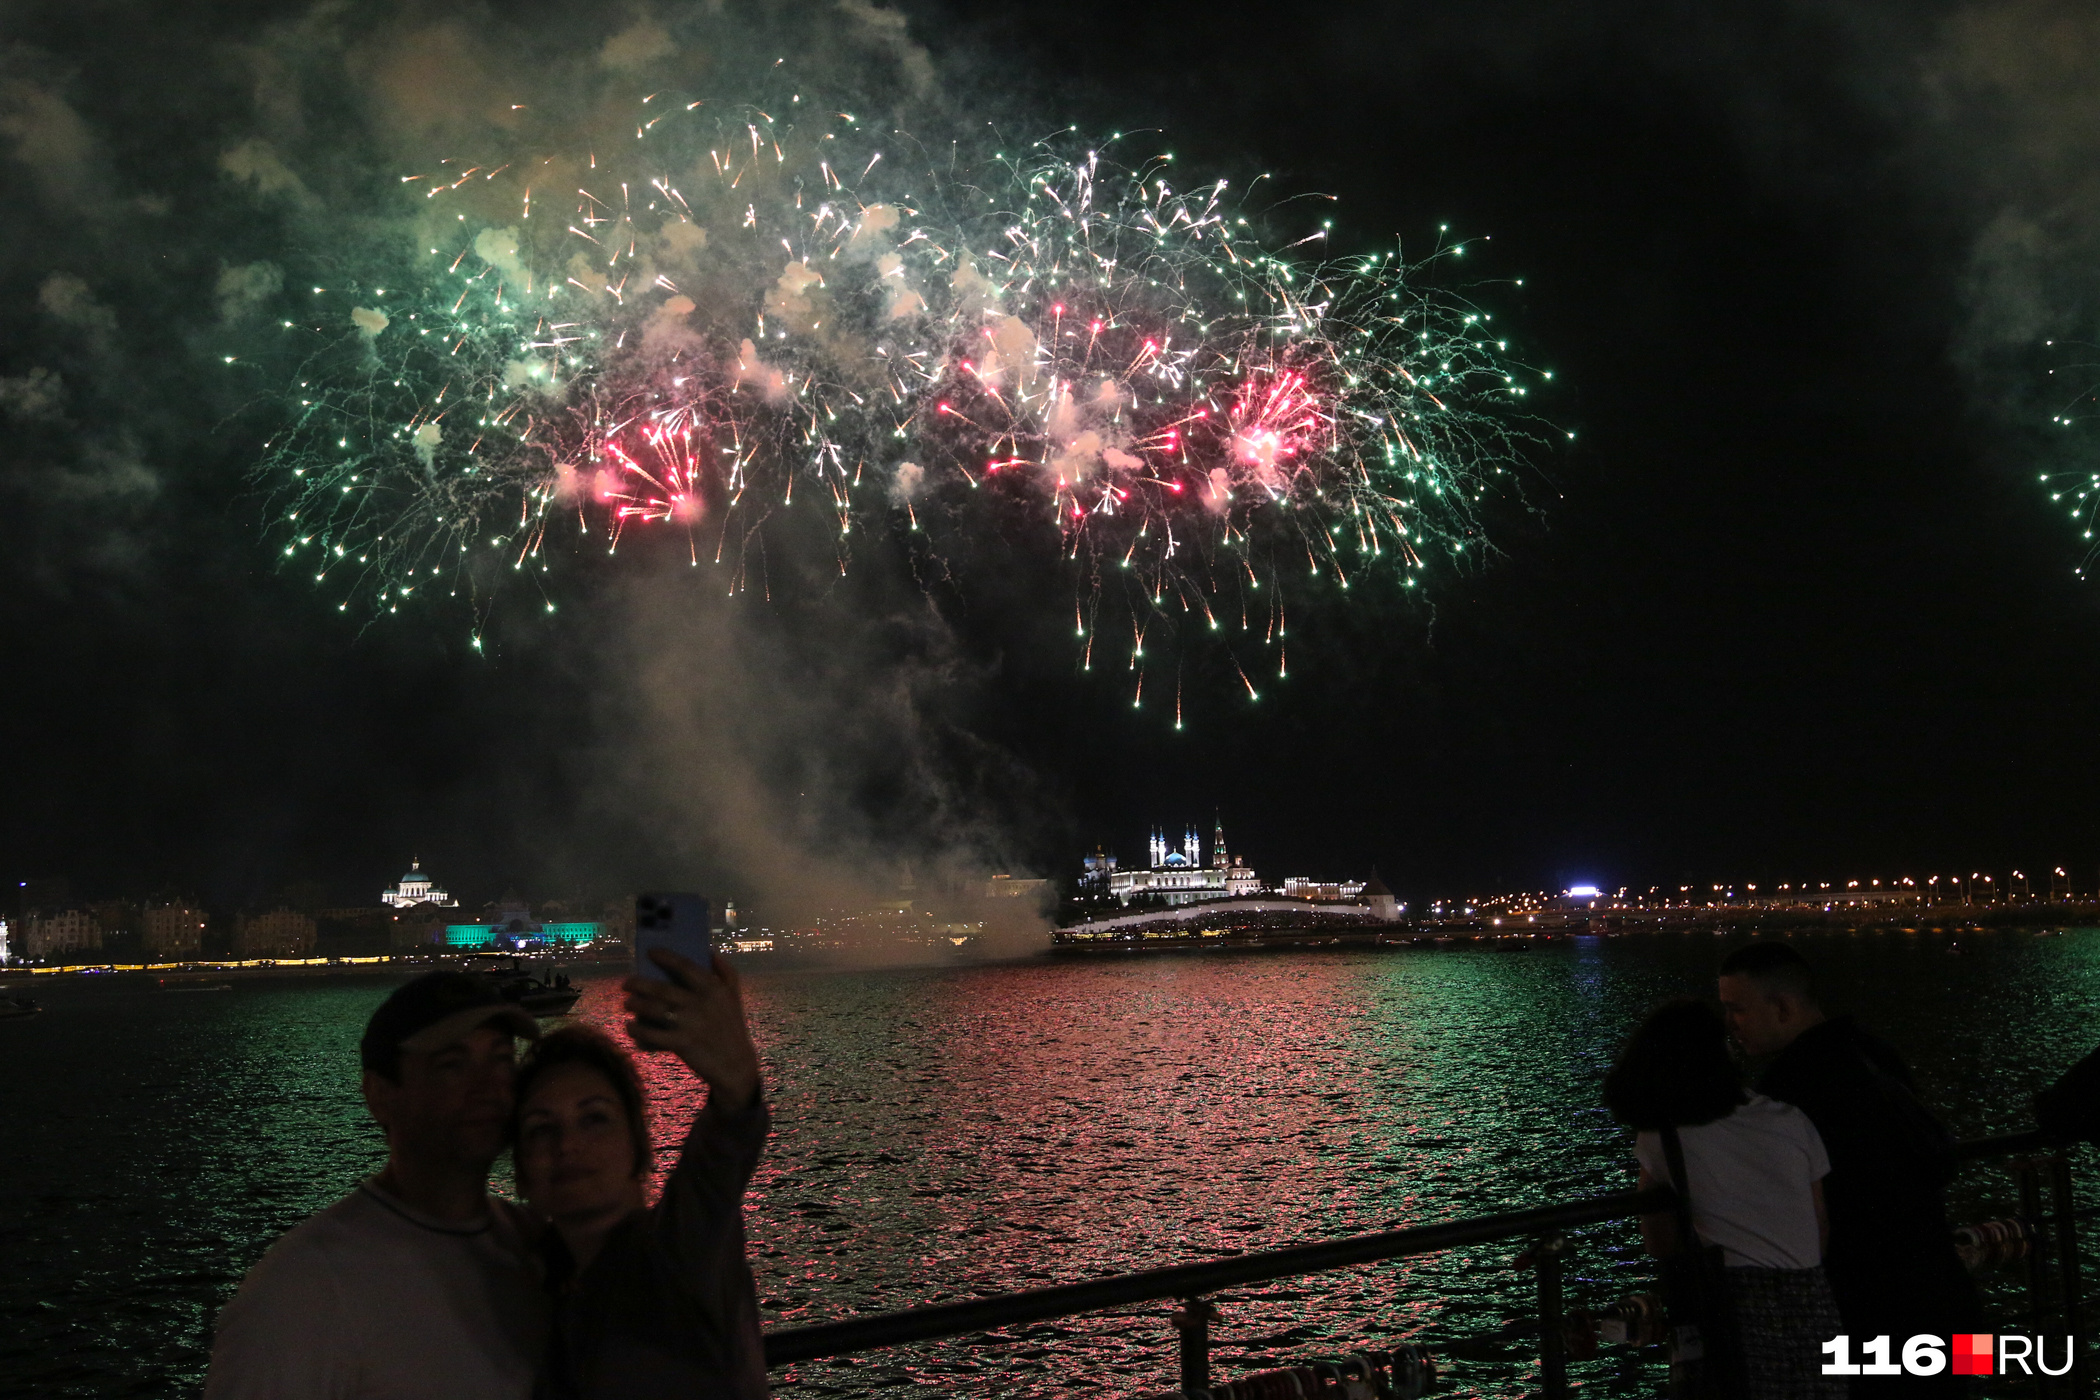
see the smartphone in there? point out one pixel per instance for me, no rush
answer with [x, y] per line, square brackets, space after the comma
[674, 921]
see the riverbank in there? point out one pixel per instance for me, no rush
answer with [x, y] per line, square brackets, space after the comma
[1182, 932]
[1268, 933]
[1753, 920]
[213, 970]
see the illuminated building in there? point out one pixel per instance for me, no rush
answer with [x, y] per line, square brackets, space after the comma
[1095, 871]
[74, 931]
[280, 933]
[416, 888]
[1326, 891]
[173, 929]
[510, 925]
[1240, 882]
[1179, 876]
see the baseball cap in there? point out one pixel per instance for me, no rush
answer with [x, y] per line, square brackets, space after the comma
[436, 1009]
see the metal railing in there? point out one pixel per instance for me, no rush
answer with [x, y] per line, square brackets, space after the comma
[1189, 1283]
[2035, 1159]
[2036, 1235]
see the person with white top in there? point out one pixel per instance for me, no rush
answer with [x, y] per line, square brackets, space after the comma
[1890, 1257]
[1753, 1170]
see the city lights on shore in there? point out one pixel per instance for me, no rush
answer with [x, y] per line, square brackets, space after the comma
[1975, 887]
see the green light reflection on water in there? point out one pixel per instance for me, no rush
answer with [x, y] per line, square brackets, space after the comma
[954, 1128]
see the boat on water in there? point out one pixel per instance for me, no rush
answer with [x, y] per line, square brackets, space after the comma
[14, 1008]
[515, 981]
[540, 998]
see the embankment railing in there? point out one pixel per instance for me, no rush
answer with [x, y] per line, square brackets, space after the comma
[2041, 1236]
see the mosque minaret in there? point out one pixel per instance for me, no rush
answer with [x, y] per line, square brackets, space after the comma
[1179, 876]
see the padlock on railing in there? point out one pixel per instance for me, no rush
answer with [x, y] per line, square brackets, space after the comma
[1989, 1243]
[1635, 1320]
[1410, 1370]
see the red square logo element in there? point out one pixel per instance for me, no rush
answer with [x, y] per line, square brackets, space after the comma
[1971, 1354]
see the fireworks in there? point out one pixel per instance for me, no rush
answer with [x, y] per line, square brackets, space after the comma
[739, 308]
[2077, 491]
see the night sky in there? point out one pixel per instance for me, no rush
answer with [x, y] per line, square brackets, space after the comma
[1792, 605]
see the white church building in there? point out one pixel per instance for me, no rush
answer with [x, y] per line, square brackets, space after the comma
[416, 888]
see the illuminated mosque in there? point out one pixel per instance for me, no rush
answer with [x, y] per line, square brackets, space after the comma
[1179, 876]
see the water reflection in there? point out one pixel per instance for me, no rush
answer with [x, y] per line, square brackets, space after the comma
[944, 1131]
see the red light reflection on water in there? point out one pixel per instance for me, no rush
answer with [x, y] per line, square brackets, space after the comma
[675, 1094]
[945, 1131]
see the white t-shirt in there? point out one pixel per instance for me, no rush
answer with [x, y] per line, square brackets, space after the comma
[371, 1299]
[1751, 1173]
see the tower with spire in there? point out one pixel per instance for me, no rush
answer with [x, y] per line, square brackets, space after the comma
[1176, 872]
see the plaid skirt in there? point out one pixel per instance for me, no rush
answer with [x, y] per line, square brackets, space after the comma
[1781, 1319]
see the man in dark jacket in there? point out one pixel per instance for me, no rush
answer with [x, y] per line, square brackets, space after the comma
[1891, 1258]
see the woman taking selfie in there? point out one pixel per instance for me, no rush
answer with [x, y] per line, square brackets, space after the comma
[648, 1300]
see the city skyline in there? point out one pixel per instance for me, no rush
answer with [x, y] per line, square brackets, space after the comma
[1792, 597]
[419, 891]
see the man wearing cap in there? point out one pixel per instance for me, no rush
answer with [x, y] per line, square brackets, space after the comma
[417, 1283]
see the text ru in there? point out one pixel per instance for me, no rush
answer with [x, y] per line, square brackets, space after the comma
[1971, 1354]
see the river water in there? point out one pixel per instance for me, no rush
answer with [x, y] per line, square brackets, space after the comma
[948, 1130]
